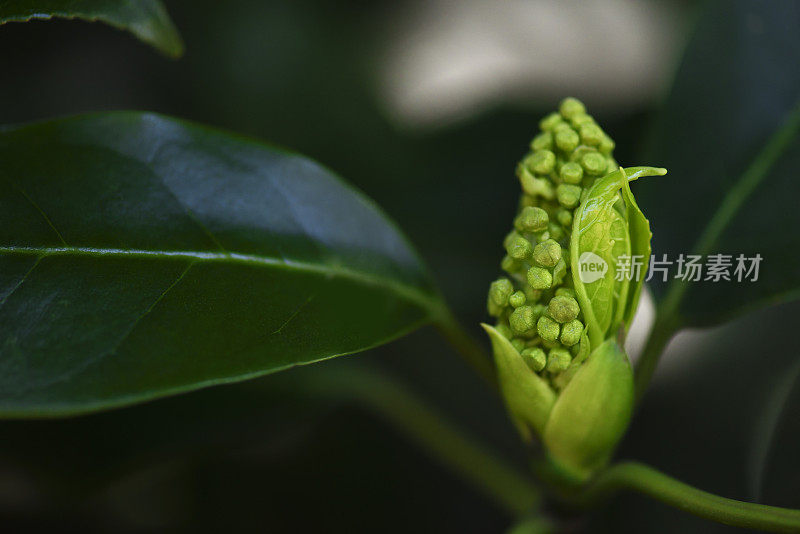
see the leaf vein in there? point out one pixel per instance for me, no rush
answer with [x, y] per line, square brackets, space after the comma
[41, 212]
[430, 302]
[150, 309]
[21, 281]
[294, 314]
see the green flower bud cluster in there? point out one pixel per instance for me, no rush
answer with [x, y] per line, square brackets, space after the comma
[535, 304]
[562, 371]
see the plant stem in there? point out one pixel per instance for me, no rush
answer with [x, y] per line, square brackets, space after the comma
[466, 345]
[647, 480]
[428, 429]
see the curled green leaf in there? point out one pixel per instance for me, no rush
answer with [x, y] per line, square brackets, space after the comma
[609, 228]
[640, 234]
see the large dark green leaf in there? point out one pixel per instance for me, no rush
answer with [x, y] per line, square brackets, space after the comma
[142, 256]
[729, 137]
[146, 19]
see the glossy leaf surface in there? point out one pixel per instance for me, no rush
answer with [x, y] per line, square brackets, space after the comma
[142, 256]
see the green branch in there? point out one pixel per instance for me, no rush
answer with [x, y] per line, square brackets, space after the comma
[644, 479]
[429, 430]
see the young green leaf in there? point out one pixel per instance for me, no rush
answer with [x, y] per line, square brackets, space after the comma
[607, 227]
[599, 235]
[142, 256]
[640, 235]
[146, 19]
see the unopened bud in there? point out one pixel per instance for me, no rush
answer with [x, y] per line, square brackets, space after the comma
[558, 360]
[541, 162]
[563, 309]
[535, 358]
[532, 219]
[547, 253]
[548, 329]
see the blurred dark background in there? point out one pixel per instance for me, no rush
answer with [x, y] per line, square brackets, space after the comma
[425, 106]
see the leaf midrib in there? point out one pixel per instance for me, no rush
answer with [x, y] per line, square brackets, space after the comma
[429, 302]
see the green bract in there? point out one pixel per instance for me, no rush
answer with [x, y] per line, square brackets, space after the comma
[564, 300]
[591, 412]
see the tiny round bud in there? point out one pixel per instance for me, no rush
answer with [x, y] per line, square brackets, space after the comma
[509, 238]
[493, 309]
[558, 360]
[570, 107]
[606, 145]
[571, 332]
[565, 292]
[548, 329]
[550, 122]
[531, 294]
[594, 163]
[547, 253]
[567, 139]
[564, 217]
[568, 195]
[509, 264]
[519, 248]
[543, 141]
[571, 173]
[550, 344]
[580, 119]
[535, 358]
[518, 344]
[563, 309]
[535, 187]
[517, 299]
[522, 319]
[561, 127]
[532, 219]
[539, 278]
[500, 290]
[541, 162]
[591, 134]
[555, 231]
